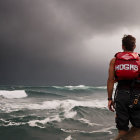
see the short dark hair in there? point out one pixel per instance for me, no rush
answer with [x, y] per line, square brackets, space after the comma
[128, 41]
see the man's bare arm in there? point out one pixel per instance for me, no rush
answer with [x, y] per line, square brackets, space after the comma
[110, 83]
[111, 78]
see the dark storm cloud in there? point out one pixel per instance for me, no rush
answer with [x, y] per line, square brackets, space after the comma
[100, 16]
[42, 40]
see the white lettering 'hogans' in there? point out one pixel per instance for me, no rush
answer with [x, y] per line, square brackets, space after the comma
[126, 67]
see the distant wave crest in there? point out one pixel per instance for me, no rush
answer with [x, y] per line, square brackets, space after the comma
[7, 92]
[80, 87]
[13, 94]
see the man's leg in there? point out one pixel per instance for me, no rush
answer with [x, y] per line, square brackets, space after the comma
[122, 113]
[121, 133]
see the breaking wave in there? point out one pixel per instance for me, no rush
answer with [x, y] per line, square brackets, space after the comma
[52, 89]
[66, 105]
[13, 94]
[80, 87]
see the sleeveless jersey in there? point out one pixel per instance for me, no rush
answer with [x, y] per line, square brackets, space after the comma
[127, 66]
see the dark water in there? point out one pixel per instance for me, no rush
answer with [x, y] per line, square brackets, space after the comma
[55, 113]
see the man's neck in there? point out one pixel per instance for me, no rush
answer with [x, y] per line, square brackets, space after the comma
[128, 51]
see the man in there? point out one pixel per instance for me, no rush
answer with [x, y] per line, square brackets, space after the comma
[125, 70]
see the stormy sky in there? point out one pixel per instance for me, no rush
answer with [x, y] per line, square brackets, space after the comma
[63, 42]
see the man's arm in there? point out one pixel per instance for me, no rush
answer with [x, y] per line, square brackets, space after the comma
[110, 83]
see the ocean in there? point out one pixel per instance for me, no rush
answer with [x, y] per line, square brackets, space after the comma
[55, 113]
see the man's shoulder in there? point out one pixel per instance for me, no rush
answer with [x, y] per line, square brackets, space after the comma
[112, 61]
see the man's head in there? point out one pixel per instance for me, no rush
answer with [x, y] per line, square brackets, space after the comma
[128, 43]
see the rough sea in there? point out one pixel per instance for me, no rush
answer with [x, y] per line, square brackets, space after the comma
[55, 113]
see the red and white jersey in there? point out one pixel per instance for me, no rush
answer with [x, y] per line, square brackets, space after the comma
[127, 65]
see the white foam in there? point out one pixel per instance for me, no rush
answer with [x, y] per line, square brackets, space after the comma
[82, 87]
[33, 123]
[69, 104]
[13, 94]
[88, 122]
[70, 114]
[8, 123]
[102, 87]
[77, 87]
[68, 138]
[65, 105]
[106, 130]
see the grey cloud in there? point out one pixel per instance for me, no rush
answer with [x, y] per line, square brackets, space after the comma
[101, 16]
[42, 41]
